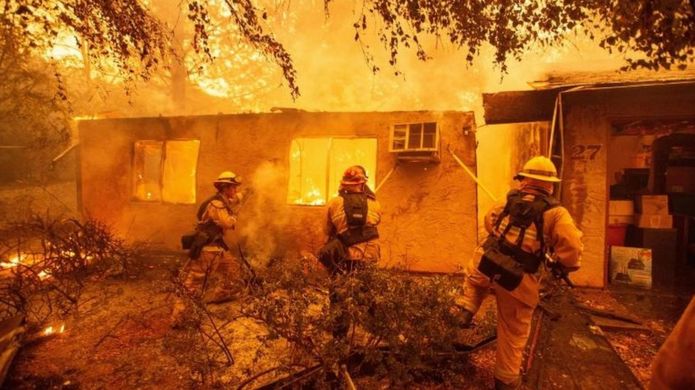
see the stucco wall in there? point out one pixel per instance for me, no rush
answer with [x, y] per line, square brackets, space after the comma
[502, 151]
[588, 121]
[429, 219]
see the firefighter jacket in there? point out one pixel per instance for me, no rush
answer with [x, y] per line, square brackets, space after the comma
[216, 212]
[559, 232]
[337, 224]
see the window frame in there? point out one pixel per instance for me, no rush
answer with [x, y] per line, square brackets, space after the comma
[160, 180]
[328, 156]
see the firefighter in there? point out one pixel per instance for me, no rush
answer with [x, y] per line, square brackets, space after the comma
[370, 194]
[353, 238]
[508, 261]
[674, 364]
[210, 261]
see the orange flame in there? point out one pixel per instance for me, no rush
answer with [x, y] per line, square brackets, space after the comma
[12, 261]
[49, 330]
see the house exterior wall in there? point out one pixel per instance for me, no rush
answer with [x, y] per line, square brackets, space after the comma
[429, 219]
[502, 151]
[588, 120]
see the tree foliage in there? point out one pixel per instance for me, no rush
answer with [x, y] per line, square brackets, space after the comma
[652, 33]
[32, 104]
[127, 34]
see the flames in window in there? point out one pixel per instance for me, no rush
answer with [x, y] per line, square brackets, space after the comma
[165, 170]
[317, 165]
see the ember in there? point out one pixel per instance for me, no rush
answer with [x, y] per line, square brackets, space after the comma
[49, 330]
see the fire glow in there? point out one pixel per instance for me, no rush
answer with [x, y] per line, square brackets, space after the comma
[12, 262]
[32, 262]
[51, 331]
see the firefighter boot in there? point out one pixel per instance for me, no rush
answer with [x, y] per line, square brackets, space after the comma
[499, 385]
[224, 294]
[464, 317]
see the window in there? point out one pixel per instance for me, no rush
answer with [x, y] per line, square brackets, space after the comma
[148, 170]
[415, 137]
[166, 171]
[317, 165]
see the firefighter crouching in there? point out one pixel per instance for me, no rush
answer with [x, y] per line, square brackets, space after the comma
[353, 238]
[210, 261]
[508, 261]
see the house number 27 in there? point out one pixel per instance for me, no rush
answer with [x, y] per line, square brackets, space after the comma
[585, 152]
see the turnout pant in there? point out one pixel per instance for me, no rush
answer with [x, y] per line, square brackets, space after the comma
[214, 273]
[513, 319]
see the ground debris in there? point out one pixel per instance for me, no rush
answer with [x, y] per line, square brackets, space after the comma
[650, 317]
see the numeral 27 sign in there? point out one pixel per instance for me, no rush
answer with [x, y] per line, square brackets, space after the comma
[585, 152]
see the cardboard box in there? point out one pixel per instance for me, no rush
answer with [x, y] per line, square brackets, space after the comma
[635, 179]
[621, 219]
[683, 204]
[664, 246]
[653, 204]
[631, 266]
[654, 221]
[680, 179]
[621, 207]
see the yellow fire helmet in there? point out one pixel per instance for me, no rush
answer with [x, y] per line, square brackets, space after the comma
[227, 177]
[539, 168]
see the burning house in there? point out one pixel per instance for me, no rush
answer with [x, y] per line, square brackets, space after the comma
[146, 176]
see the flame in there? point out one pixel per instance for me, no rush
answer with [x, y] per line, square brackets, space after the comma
[311, 197]
[78, 118]
[65, 50]
[217, 87]
[50, 330]
[12, 261]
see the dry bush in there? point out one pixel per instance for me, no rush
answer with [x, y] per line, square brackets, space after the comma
[47, 262]
[402, 325]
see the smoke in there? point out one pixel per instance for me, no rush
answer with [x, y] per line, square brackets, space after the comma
[333, 73]
[264, 216]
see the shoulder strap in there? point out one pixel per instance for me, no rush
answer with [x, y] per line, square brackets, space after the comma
[355, 208]
[511, 195]
[204, 206]
[545, 203]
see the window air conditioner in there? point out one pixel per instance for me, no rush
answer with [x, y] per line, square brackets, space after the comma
[416, 142]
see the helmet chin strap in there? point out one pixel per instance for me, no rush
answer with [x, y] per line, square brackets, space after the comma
[537, 185]
[351, 187]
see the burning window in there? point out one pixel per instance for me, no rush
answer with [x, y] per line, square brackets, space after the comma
[148, 170]
[166, 170]
[317, 164]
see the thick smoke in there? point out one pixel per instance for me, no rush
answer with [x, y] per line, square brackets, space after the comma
[264, 215]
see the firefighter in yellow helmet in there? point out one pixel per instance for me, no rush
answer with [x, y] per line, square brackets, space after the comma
[211, 263]
[353, 238]
[521, 230]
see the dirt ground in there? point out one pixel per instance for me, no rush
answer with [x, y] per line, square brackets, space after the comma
[658, 311]
[120, 337]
